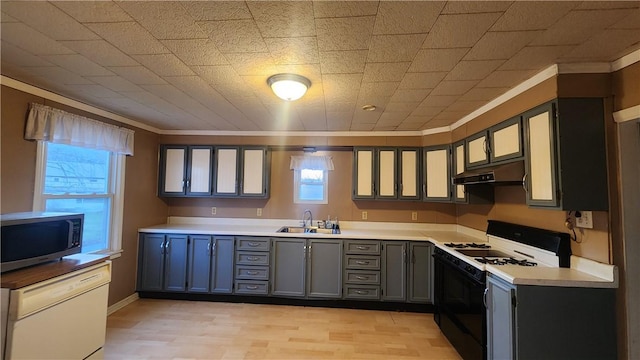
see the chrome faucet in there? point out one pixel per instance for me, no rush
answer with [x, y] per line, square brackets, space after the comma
[304, 218]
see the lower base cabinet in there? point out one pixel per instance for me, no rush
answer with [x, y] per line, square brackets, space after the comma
[394, 271]
[546, 322]
[210, 264]
[420, 269]
[163, 262]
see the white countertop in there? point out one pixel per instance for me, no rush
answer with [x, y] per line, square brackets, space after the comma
[583, 272]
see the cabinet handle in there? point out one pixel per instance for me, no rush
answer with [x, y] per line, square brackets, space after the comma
[253, 258]
[524, 183]
[362, 262]
[404, 255]
[209, 248]
[360, 277]
[188, 183]
[213, 249]
[360, 247]
[484, 297]
[167, 246]
[362, 292]
[252, 287]
[162, 244]
[252, 272]
[254, 244]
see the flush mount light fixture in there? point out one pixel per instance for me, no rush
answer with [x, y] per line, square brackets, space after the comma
[369, 107]
[289, 87]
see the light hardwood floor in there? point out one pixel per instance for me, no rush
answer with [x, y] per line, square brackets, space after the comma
[171, 329]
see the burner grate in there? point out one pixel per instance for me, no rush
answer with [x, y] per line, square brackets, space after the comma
[505, 261]
[467, 245]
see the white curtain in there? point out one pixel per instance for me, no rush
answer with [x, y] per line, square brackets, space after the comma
[54, 125]
[311, 162]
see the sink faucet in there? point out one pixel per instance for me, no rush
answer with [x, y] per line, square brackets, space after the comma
[305, 217]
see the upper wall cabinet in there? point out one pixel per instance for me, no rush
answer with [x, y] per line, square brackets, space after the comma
[566, 164]
[437, 173]
[185, 170]
[386, 173]
[499, 143]
[457, 167]
[241, 172]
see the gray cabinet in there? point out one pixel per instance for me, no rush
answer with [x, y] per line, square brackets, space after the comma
[566, 155]
[544, 322]
[437, 173]
[185, 171]
[242, 171]
[499, 143]
[163, 262]
[394, 271]
[306, 268]
[386, 173]
[362, 264]
[457, 168]
[252, 258]
[211, 264]
[420, 268]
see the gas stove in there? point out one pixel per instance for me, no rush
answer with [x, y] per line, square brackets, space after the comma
[467, 245]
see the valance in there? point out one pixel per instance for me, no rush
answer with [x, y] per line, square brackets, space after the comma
[311, 162]
[54, 125]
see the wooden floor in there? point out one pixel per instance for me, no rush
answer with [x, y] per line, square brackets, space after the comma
[170, 329]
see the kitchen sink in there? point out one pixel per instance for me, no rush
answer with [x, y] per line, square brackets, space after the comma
[307, 229]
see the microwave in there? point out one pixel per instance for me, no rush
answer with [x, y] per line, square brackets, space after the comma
[30, 238]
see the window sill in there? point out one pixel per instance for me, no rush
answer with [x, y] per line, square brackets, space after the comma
[112, 254]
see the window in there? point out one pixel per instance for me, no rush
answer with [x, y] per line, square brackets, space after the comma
[310, 186]
[83, 180]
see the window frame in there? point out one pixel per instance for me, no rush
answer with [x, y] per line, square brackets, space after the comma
[115, 194]
[297, 182]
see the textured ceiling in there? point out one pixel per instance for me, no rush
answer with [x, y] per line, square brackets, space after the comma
[203, 65]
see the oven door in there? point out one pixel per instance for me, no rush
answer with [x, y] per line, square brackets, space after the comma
[459, 309]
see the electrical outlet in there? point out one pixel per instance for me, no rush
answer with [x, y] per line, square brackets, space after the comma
[214, 210]
[364, 215]
[414, 215]
[259, 212]
[585, 220]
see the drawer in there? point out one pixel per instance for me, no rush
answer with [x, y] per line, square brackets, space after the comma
[252, 258]
[364, 292]
[362, 262]
[362, 277]
[252, 243]
[252, 272]
[362, 247]
[252, 287]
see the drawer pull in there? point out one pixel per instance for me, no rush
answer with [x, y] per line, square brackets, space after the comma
[253, 258]
[360, 247]
[360, 277]
[362, 262]
[252, 272]
[362, 292]
[252, 287]
[254, 244]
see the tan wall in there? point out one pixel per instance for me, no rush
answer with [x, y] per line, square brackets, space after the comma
[141, 206]
[626, 87]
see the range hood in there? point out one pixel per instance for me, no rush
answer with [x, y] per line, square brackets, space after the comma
[504, 174]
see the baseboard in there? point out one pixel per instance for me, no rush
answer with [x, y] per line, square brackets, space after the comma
[122, 303]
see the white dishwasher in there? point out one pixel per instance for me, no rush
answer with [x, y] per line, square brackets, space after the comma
[60, 318]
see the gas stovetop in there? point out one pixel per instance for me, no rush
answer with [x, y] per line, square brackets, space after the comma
[495, 257]
[467, 245]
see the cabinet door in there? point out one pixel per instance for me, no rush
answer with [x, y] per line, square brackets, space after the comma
[199, 263]
[175, 263]
[500, 320]
[394, 270]
[386, 170]
[437, 173]
[541, 177]
[408, 173]
[363, 173]
[324, 268]
[457, 158]
[420, 270]
[151, 262]
[288, 267]
[254, 172]
[505, 140]
[477, 150]
[173, 167]
[222, 252]
[199, 170]
[226, 171]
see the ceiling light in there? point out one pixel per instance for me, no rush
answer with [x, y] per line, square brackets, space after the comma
[369, 107]
[289, 87]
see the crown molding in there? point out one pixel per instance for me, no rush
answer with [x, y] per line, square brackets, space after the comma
[628, 114]
[291, 133]
[30, 89]
[626, 60]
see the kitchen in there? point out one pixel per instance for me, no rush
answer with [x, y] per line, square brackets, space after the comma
[143, 208]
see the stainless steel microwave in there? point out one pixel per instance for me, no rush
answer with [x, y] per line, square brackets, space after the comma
[31, 238]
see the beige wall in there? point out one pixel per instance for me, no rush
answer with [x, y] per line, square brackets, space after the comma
[141, 206]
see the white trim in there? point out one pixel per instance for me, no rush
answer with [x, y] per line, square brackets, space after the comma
[538, 78]
[117, 210]
[628, 114]
[290, 133]
[436, 130]
[18, 85]
[41, 154]
[297, 174]
[122, 303]
[584, 68]
[626, 60]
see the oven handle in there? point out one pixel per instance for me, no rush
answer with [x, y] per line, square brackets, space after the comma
[440, 259]
[484, 297]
